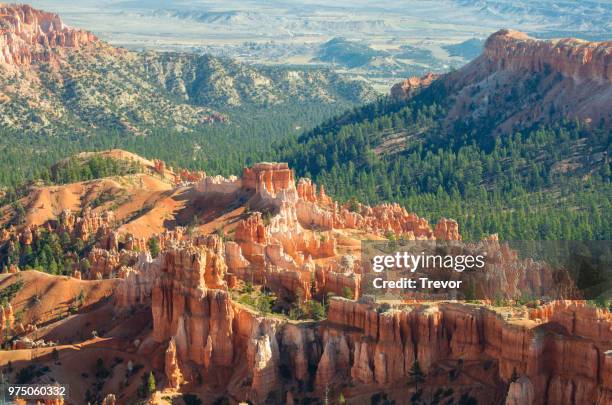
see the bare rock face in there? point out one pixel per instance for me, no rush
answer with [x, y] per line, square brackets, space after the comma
[406, 89]
[557, 351]
[182, 285]
[447, 229]
[520, 392]
[514, 50]
[307, 191]
[551, 364]
[89, 224]
[281, 246]
[268, 178]
[604, 395]
[334, 362]
[264, 359]
[108, 263]
[577, 317]
[173, 372]
[568, 78]
[138, 281]
[342, 283]
[28, 35]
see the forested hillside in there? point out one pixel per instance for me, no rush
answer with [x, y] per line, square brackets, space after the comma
[219, 148]
[550, 181]
[517, 143]
[63, 91]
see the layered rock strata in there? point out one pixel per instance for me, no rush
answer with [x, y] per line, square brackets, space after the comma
[28, 35]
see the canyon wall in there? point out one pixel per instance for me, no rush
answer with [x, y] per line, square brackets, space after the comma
[28, 35]
[538, 361]
[514, 50]
[561, 79]
[555, 353]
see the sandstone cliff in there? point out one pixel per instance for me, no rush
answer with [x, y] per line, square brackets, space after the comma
[573, 58]
[29, 35]
[182, 312]
[408, 87]
[519, 81]
[534, 81]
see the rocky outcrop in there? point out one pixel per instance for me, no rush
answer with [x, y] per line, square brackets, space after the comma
[307, 191]
[557, 351]
[89, 225]
[7, 321]
[405, 89]
[520, 392]
[550, 362]
[137, 282]
[268, 178]
[107, 263]
[567, 78]
[28, 35]
[514, 50]
[447, 229]
[343, 282]
[186, 176]
[206, 330]
[173, 372]
[605, 391]
[334, 362]
[219, 186]
[185, 308]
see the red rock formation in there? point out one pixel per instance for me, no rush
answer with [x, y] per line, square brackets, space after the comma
[406, 89]
[344, 284]
[185, 175]
[571, 79]
[173, 372]
[307, 191]
[514, 50]
[28, 35]
[107, 263]
[447, 229]
[89, 224]
[109, 399]
[138, 282]
[604, 395]
[369, 346]
[268, 177]
[6, 233]
[159, 166]
[252, 230]
[7, 321]
[334, 361]
[569, 362]
[27, 236]
[520, 392]
[183, 284]
[263, 357]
